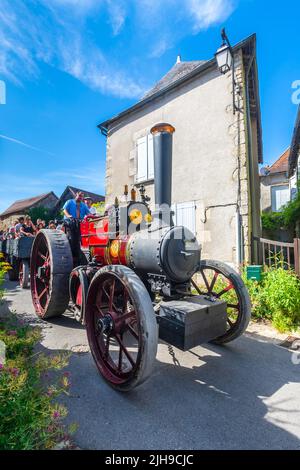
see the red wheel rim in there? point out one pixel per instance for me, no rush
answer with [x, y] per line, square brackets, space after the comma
[114, 330]
[215, 283]
[41, 274]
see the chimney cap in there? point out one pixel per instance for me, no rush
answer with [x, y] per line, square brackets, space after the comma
[162, 127]
[178, 60]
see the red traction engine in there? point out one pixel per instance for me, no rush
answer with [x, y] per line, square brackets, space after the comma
[132, 276]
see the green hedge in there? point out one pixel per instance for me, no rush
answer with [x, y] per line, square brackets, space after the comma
[277, 298]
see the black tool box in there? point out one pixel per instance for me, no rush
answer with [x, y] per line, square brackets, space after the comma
[193, 321]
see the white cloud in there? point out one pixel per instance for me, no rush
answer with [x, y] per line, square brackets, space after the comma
[117, 14]
[58, 33]
[160, 47]
[58, 40]
[24, 144]
[206, 13]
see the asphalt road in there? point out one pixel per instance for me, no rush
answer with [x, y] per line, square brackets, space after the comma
[243, 396]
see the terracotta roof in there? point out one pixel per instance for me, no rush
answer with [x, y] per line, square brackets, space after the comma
[282, 164]
[178, 71]
[24, 204]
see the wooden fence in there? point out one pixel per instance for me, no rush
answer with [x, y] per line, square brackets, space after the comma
[272, 253]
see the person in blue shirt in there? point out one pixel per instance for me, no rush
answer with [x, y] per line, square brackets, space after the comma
[75, 208]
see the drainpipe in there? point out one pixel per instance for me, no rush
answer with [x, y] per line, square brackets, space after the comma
[249, 142]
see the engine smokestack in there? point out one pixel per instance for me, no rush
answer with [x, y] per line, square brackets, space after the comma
[162, 141]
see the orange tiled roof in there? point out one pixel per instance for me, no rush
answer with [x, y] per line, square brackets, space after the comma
[282, 164]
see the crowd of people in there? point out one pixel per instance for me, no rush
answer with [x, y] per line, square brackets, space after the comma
[24, 227]
[78, 208]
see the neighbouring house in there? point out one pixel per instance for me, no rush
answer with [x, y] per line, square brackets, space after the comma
[21, 207]
[275, 185]
[294, 159]
[70, 192]
[216, 151]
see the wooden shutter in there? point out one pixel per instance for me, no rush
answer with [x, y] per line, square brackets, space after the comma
[142, 164]
[186, 215]
[150, 157]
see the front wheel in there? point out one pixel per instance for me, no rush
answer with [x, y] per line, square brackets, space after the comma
[222, 282]
[121, 327]
[24, 274]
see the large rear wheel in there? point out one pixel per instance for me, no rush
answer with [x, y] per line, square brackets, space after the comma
[222, 282]
[121, 327]
[50, 266]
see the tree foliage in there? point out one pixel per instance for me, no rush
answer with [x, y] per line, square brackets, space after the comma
[40, 213]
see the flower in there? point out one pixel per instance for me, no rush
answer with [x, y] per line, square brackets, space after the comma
[14, 371]
[56, 414]
[12, 333]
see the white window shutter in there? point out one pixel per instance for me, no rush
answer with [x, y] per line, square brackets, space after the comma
[142, 165]
[186, 215]
[150, 157]
[280, 197]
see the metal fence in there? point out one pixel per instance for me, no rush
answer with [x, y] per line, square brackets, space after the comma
[274, 253]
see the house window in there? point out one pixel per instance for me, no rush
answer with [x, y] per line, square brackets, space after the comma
[185, 215]
[280, 195]
[145, 161]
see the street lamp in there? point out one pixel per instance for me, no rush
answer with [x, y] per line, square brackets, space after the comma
[225, 60]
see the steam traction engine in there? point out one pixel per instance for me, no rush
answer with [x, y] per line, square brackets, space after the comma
[131, 276]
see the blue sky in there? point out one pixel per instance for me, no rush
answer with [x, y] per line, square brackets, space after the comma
[70, 64]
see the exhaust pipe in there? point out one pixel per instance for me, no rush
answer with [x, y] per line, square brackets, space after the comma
[162, 143]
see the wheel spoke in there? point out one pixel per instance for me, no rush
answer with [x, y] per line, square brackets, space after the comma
[236, 307]
[228, 288]
[205, 280]
[196, 287]
[106, 350]
[125, 316]
[111, 297]
[133, 332]
[42, 293]
[231, 324]
[213, 281]
[125, 350]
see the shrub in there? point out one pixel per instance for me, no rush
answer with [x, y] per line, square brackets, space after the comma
[29, 416]
[277, 298]
[40, 213]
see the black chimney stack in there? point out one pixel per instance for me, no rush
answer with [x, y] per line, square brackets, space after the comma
[162, 141]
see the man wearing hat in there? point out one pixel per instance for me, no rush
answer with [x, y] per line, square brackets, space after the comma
[89, 201]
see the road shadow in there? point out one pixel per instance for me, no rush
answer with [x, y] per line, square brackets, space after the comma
[230, 398]
[242, 396]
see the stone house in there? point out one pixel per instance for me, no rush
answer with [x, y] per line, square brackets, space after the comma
[21, 207]
[216, 151]
[275, 184]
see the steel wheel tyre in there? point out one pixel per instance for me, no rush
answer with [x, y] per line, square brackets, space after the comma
[24, 274]
[121, 327]
[221, 281]
[78, 288]
[50, 266]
